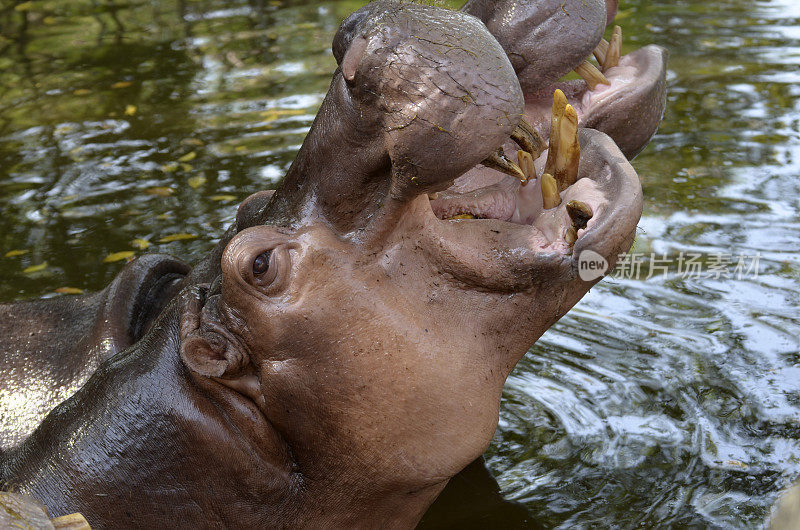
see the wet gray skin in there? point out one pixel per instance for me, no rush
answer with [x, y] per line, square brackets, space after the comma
[291, 410]
[71, 336]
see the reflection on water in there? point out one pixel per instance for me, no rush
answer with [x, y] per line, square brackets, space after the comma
[673, 400]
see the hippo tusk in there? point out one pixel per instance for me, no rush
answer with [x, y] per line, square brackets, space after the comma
[528, 139]
[550, 196]
[580, 213]
[592, 75]
[565, 150]
[499, 161]
[614, 50]
[525, 162]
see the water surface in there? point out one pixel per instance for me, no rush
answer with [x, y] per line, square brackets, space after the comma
[668, 401]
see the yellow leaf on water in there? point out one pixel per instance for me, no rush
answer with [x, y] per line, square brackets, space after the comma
[186, 167]
[196, 182]
[139, 243]
[223, 198]
[24, 6]
[121, 84]
[188, 157]
[81, 92]
[240, 148]
[35, 268]
[274, 114]
[118, 256]
[163, 216]
[161, 191]
[170, 167]
[130, 110]
[49, 21]
[176, 237]
[69, 290]
[192, 141]
[15, 253]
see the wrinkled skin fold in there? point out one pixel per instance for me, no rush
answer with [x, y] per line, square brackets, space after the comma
[341, 355]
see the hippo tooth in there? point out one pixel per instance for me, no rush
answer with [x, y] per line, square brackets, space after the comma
[571, 236]
[565, 150]
[499, 161]
[550, 196]
[528, 139]
[601, 51]
[525, 162]
[591, 74]
[461, 216]
[580, 213]
[614, 49]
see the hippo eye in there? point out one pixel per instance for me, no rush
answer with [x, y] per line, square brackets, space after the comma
[261, 263]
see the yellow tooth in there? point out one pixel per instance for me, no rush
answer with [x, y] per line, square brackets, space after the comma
[499, 161]
[565, 150]
[591, 75]
[528, 139]
[614, 49]
[601, 51]
[550, 196]
[579, 213]
[559, 106]
[525, 162]
[461, 216]
[571, 236]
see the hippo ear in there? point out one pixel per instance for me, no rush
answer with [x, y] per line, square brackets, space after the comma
[208, 349]
[210, 354]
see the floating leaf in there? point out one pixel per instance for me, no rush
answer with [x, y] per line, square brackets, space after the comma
[196, 182]
[186, 167]
[176, 237]
[161, 191]
[170, 167]
[122, 84]
[163, 216]
[24, 6]
[15, 253]
[223, 198]
[188, 157]
[130, 110]
[81, 92]
[240, 148]
[35, 268]
[274, 114]
[118, 256]
[139, 243]
[192, 141]
[69, 290]
[49, 21]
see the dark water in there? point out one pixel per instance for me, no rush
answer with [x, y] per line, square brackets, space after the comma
[668, 401]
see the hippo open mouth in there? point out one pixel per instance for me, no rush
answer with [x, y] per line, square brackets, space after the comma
[448, 126]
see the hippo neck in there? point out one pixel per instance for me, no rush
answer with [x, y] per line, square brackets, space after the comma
[340, 172]
[144, 441]
[140, 437]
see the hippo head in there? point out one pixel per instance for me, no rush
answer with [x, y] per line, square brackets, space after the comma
[372, 323]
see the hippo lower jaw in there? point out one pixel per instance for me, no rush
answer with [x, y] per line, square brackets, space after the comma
[502, 236]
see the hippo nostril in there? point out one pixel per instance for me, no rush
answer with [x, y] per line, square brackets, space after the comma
[261, 263]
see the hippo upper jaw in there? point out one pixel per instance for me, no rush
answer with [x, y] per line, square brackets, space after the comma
[629, 108]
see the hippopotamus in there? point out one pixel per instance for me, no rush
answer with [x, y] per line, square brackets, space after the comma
[340, 355]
